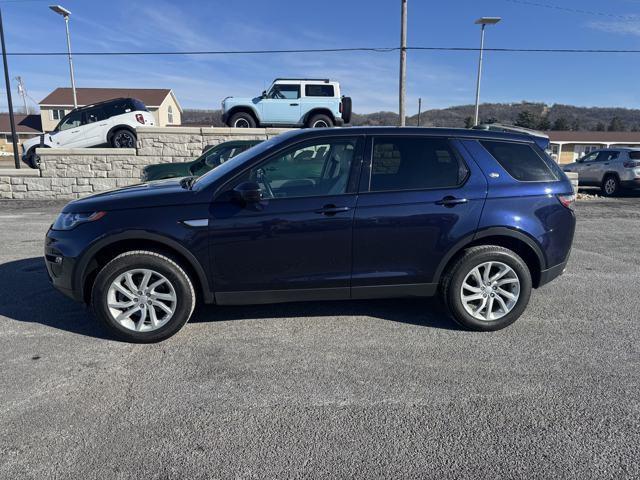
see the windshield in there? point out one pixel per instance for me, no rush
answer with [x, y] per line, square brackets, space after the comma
[239, 159]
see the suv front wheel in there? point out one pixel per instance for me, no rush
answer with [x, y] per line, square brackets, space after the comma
[143, 296]
[242, 120]
[487, 288]
[123, 139]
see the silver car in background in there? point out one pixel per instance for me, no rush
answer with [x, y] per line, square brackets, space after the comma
[611, 169]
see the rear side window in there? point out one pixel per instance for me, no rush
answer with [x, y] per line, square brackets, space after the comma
[318, 90]
[138, 105]
[414, 163]
[521, 161]
[117, 107]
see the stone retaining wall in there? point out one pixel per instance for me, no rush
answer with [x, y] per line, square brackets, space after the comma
[73, 173]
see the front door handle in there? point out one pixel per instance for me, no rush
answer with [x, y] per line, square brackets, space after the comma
[294, 104]
[450, 201]
[332, 210]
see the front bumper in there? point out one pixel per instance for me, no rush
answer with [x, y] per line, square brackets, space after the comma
[60, 268]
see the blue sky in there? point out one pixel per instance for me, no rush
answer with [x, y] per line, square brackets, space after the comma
[440, 78]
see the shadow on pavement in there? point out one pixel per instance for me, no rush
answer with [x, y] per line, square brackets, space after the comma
[27, 296]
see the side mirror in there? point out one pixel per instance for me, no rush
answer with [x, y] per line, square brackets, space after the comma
[264, 94]
[247, 192]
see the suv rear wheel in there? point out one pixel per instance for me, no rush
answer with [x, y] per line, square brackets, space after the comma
[242, 120]
[123, 139]
[610, 185]
[487, 288]
[143, 296]
[320, 120]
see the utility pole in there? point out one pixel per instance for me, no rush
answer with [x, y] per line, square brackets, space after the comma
[23, 93]
[66, 14]
[14, 135]
[403, 61]
[484, 21]
[419, 109]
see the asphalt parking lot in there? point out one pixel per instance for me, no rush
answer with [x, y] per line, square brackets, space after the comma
[336, 390]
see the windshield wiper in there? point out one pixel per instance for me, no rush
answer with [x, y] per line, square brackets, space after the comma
[187, 182]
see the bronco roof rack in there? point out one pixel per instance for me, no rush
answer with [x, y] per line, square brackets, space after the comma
[325, 80]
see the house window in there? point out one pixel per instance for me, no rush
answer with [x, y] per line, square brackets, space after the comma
[9, 138]
[56, 114]
[170, 114]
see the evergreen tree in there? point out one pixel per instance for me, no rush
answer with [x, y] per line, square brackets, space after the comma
[527, 119]
[468, 122]
[561, 124]
[617, 125]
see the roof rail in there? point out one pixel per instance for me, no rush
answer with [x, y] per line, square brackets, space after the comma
[325, 80]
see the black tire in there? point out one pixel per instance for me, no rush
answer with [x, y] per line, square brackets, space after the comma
[242, 120]
[346, 109]
[473, 257]
[141, 259]
[610, 185]
[123, 138]
[33, 159]
[320, 120]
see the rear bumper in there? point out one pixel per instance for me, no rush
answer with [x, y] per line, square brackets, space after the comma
[635, 183]
[339, 122]
[552, 273]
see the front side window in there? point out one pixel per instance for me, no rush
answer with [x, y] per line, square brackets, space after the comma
[634, 155]
[414, 163]
[591, 157]
[73, 120]
[321, 90]
[284, 91]
[318, 169]
[521, 161]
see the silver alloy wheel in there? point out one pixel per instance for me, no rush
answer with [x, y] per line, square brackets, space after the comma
[610, 186]
[319, 124]
[241, 123]
[141, 300]
[490, 291]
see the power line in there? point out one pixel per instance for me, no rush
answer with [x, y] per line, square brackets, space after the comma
[328, 50]
[575, 10]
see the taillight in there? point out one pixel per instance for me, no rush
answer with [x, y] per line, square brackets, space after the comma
[340, 107]
[631, 164]
[140, 118]
[567, 200]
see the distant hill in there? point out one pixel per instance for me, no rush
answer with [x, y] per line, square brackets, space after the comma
[531, 115]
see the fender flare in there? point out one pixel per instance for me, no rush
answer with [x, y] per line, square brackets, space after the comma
[322, 110]
[490, 232]
[87, 258]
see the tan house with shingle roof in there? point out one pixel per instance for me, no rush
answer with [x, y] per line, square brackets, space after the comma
[160, 101]
[27, 126]
[567, 147]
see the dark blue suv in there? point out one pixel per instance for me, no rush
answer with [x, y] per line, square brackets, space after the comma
[481, 217]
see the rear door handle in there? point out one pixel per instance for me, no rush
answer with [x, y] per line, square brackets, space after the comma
[449, 201]
[332, 210]
[294, 104]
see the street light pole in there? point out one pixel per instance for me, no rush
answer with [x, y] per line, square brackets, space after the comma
[66, 14]
[403, 61]
[12, 123]
[484, 21]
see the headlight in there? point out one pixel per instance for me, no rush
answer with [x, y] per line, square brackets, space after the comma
[67, 221]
